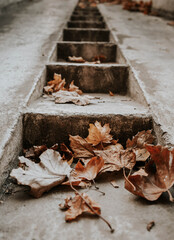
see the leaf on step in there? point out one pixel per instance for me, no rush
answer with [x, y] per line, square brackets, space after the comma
[98, 134]
[76, 59]
[88, 172]
[67, 154]
[100, 58]
[74, 88]
[80, 147]
[115, 161]
[57, 84]
[77, 206]
[159, 178]
[41, 177]
[114, 146]
[171, 23]
[111, 93]
[138, 142]
[74, 97]
[150, 225]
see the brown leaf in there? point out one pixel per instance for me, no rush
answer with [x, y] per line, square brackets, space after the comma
[160, 176]
[114, 147]
[170, 23]
[35, 151]
[74, 97]
[114, 161]
[76, 59]
[88, 172]
[81, 147]
[100, 58]
[57, 84]
[77, 206]
[150, 225]
[74, 88]
[41, 177]
[99, 134]
[67, 154]
[111, 93]
[141, 138]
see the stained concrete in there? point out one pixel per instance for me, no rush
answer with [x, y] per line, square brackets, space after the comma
[27, 37]
[147, 43]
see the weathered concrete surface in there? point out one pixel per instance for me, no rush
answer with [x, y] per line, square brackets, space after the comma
[147, 43]
[41, 219]
[165, 8]
[5, 3]
[26, 41]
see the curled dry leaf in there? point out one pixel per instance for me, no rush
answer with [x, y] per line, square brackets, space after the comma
[41, 177]
[98, 134]
[111, 93]
[67, 154]
[115, 161]
[159, 178]
[100, 58]
[150, 225]
[76, 59]
[57, 84]
[88, 172]
[80, 147]
[74, 97]
[74, 88]
[77, 206]
[137, 144]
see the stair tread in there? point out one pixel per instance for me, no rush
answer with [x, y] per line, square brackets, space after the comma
[104, 104]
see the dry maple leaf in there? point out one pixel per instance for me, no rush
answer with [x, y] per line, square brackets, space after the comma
[88, 172]
[81, 147]
[43, 176]
[98, 134]
[57, 84]
[115, 161]
[137, 144]
[74, 97]
[67, 154]
[77, 206]
[76, 59]
[74, 88]
[159, 179]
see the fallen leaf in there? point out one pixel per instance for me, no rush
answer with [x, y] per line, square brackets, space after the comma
[49, 89]
[76, 59]
[137, 144]
[74, 97]
[88, 172]
[115, 161]
[81, 147]
[100, 58]
[114, 147]
[77, 206]
[114, 184]
[41, 177]
[160, 175]
[98, 134]
[67, 154]
[34, 152]
[150, 225]
[111, 94]
[74, 88]
[57, 84]
[170, 23]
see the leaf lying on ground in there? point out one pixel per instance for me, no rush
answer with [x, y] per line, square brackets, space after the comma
[67, 154]
[83, 173]
[137, 144]
[76, 59]
[111, 93]
[56, 84]
[150, 225]
[43, 176]
[114, 161]
[170, 23]
[74, 88]
[98, 134]
[81, 147]
[160, 177]
[74, 97]
[77, 206]
[100, 58]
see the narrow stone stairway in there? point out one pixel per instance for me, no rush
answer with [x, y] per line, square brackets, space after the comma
[44, 122]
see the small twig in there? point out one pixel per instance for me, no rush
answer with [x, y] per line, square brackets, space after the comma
[103, 193]
[92, 209]
[128, 179]
[95, 184]
[170, 196]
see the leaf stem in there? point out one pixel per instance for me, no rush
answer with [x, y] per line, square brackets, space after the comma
[128, 179]
[170, 196]
[92, 209]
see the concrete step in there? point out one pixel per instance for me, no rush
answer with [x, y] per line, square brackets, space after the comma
[80, 13]
[48, 123]
[87, 50]
[92, 78]
[86, 24]
[80, 34]
[86, 18]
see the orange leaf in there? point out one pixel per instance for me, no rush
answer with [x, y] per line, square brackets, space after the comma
[99, 134]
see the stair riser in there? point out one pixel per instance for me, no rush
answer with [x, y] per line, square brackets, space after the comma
[86, 50]
[93, 79]
[85, 24]
[78, 13]
[48, 129]
[86, 35]
[86, 18]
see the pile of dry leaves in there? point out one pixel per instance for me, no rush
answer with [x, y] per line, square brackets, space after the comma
[95, 60]
[78, 166]
[65, 93]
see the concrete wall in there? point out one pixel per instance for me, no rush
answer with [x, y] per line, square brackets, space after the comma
[164, 7]
[5, 3]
